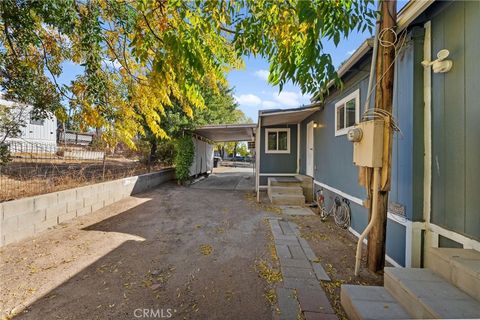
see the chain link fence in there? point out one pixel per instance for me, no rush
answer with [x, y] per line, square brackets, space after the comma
[37, 168]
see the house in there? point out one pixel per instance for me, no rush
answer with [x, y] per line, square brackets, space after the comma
[434, 209]
[35, 134]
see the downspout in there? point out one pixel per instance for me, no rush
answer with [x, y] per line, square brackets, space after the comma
[427, 126]
[376, 171]
[298, 148]
[373, 63]
[373, 220]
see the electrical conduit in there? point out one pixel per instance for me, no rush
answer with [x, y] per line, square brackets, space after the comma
[373, 220]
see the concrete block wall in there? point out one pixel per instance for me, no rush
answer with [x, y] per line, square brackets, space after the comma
[23, 218]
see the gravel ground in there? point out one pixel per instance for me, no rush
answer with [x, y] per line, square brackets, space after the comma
[188, 252]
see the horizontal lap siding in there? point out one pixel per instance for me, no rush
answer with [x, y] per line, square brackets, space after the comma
[279, 163]
[456, 118]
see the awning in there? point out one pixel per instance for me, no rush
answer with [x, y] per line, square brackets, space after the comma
[228, 132]
[287, 116]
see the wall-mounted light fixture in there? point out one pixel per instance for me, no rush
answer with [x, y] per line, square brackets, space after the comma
[315, 124]
[440, 65]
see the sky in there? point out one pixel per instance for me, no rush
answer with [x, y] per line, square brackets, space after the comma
[253, 92]
[251, 88]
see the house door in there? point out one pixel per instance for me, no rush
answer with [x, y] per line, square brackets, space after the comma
[309, 145]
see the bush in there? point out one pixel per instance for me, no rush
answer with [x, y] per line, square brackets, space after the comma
[184, 153]
[5, 155]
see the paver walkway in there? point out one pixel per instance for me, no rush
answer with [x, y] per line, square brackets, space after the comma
[300, 290]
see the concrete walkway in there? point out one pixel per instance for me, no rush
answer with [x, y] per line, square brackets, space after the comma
[226, 178]
[300, 291]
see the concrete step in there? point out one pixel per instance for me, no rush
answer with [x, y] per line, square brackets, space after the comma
[426, 295]
[460, 267]
[370, 302]
[287, 199]
[285, 190]
[284, 182]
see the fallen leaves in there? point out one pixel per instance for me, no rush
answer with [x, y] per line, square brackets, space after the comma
[206, 249]
[267, 272]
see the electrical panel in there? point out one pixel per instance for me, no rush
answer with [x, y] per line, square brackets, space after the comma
[368, 145]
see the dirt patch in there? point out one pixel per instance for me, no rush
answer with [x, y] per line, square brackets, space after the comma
[187, 251]
[335, 248]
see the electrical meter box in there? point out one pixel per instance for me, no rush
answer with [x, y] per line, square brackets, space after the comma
[368, 152]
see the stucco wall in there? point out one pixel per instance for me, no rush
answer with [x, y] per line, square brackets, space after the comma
[23, 218]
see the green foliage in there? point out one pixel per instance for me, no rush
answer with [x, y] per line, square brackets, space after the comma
[146, 61]
[11, 122]
[5, 156]
[184, 153]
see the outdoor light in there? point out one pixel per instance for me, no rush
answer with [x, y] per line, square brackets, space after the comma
[441, 65]
[315, 124]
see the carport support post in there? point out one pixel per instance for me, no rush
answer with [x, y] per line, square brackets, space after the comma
[383, 100]
[257, 156]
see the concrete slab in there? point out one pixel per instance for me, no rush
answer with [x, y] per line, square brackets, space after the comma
[297, 252]
[287, 303]
[314, 300]
[295, 272]
[319, 316]
[286, 228]
[369, 302]
[307, 250]
[294, 263]
[295, 283]
[297, 211]
[229, 179]
[431, 297]
[320, 272]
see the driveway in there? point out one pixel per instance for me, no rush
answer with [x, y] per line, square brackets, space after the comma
[189, 252]
[228, 178]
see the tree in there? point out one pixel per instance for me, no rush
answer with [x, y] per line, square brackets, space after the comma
[12, 119]
[142, 58]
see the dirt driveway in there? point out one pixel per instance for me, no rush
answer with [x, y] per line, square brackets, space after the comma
[189, 252]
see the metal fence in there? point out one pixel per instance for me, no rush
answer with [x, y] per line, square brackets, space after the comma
[42, 168]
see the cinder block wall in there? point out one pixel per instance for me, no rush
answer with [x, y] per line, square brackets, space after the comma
[23, 218]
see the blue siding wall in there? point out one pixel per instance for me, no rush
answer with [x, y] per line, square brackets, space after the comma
[333, 155]
[455, 120]
[278, 163]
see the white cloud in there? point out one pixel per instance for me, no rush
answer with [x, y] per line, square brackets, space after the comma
[268, 104]
[349, 53]
[248, 100]
[288, 98]
[262, 74]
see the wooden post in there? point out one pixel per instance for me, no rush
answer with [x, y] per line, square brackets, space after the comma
[383, 100]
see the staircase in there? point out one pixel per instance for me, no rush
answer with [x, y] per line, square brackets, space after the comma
[449, 288]
[285, 191]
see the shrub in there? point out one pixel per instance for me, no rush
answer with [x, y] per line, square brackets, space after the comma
[184, 153]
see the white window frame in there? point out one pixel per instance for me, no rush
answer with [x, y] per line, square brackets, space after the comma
[268, 130]
[342, 103]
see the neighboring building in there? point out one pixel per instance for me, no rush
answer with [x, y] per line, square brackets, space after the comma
[434, 198]
[34, 132]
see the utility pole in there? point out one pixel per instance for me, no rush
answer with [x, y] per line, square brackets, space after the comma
[383, 100]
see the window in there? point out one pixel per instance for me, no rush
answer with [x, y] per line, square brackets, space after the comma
[347, 113]
[277, 140]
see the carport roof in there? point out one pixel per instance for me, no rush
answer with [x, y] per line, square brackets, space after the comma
[228, 132]
[287, 116]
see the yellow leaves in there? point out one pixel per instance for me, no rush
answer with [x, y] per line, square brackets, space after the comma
[206, 249]
[267, 272]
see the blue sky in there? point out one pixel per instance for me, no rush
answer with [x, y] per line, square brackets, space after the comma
[253, 92]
